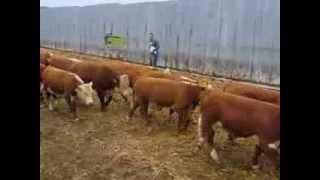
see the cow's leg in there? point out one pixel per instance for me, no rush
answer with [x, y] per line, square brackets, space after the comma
[42, 105]
[41, 96]
[107, 97]
[270, 153]
[123, 96]
[41, 92]
[206, 136]
[133, 106]
[184, 119]
[144, 111]
[255, 159]
[55, 101]
[181, 119]
[205, 131]
[49, 101]
[232, 138]
[68, 100]
[71, 101]
[210, 140]
[50, 105]
[45, 97]
[74, 107]
[211, 134]
[171, 111]
[187, 120]
[101, 95]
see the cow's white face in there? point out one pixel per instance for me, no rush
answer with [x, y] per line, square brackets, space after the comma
[85, 93]
[124, 82]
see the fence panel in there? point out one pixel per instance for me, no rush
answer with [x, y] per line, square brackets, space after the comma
[232, 38]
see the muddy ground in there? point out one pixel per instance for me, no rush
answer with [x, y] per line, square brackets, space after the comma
[104, 145]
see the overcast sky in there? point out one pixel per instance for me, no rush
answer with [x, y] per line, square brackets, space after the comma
[58, 3]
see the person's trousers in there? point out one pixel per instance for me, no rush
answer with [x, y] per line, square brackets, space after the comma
[153, 59]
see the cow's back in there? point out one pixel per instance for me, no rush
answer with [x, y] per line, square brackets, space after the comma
[61, 62]
[162, 91]
[166, 92]
[253, 92]
[171, 76]
[133, 72]
[101, 75]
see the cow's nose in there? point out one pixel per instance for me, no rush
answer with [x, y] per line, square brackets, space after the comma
[90, 103]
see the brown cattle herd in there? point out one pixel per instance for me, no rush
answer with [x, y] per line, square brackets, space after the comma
[243, 110]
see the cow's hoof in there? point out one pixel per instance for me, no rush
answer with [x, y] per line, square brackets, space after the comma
[76, 119]
[233, 143]
[182, 132]
[128, 119]
[196, 149]
[102, 108]
[148, 124]
[214, 156]
[255, 167]
[149, 130]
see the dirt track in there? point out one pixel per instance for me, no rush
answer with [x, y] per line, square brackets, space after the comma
[106, 146]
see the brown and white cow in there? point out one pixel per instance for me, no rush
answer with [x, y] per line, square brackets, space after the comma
[118, 67]
[58, 82]
[104, 79]
[243, 117]
[249, 91]
[130, 73]
[146, 72]
[180, 96]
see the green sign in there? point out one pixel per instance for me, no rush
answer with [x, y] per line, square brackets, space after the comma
[115, 41]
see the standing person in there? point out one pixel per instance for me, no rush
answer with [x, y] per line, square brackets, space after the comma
[154, 50]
